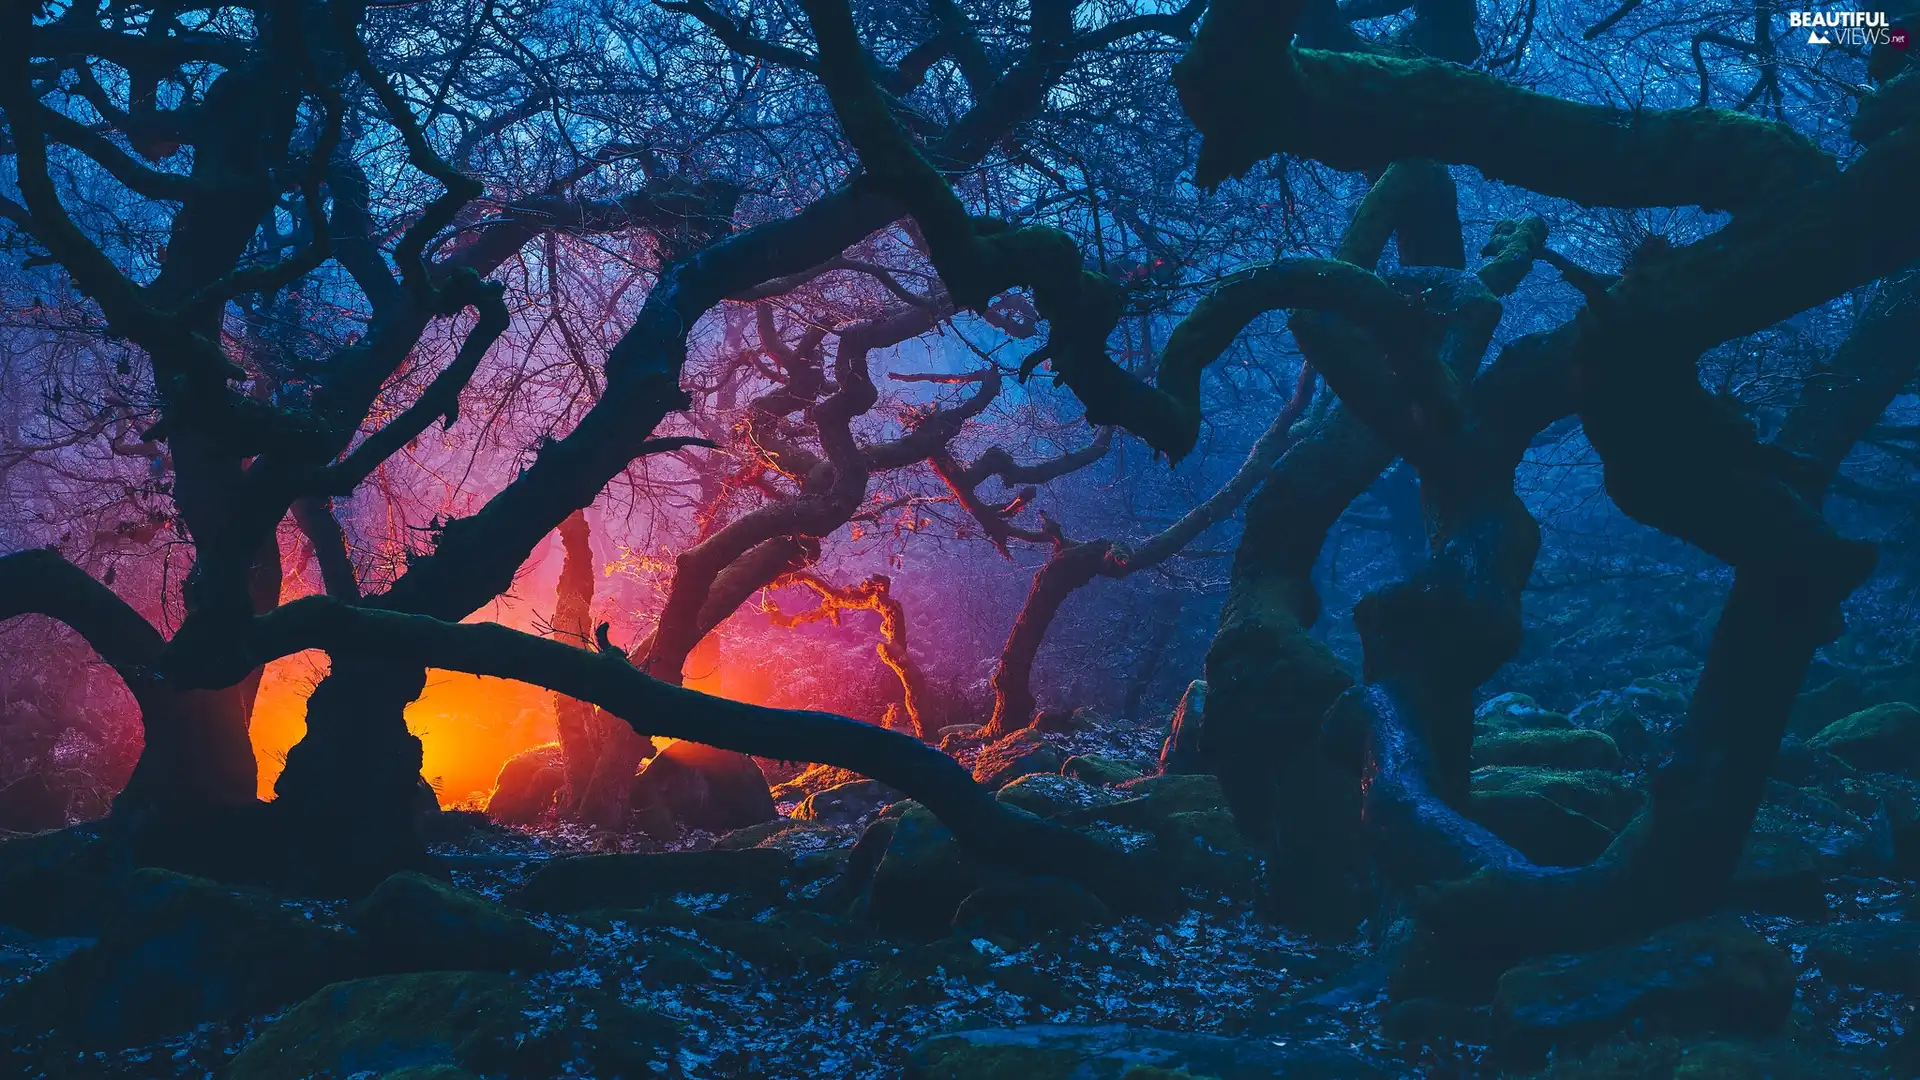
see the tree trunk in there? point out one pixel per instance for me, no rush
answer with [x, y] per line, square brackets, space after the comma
[351, 794]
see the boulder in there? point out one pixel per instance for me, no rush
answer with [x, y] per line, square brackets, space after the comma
[1515, 712]
[1554, 748]
[1179, 793]
[692, 786]
[922, 876]
[1710, 976]
[586, 882]
[1884, 738]
[180, 951]
[1539, 828]
[1098, 769]
[1019, 754]
[846, 804]
[1602, 796]
[1180, 753]
[32, 803]
[1633, 1058]
[527, 786]
[1779, 873]
[1066, 1052]
[1024, 908]
[483, 1023]
[60, 883]
[1876, 955]
[1049, 794]
[412, 922]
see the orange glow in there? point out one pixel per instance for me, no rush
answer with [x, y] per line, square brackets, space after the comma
[468, 725]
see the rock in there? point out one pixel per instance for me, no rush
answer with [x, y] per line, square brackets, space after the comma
[586, 882]
[1065, 721]
[181, 951]
[1553, 748]
[1179, 793]
[1180, 753]
[692, 786]
[412, 922]
[1602, 796]
[1097, 769]
[1710, 976]
[788, 835]
[481, 1022]
[960, 736]
[58, 883]
[922, 877]
[847, 803]
[1186, 826]
[1876, 955]
[1515, 712]
[1023, 752]
[1632, 1058]
[814, 778]
[32, 803]
[1779, 873]
[1884, 738]
[1025, 908]
[527, 785]
[1434, 1021]
[1048, 794]
[1541, 829]
[1065, 1052]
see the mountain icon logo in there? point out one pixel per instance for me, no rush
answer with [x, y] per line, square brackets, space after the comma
[1818, 38]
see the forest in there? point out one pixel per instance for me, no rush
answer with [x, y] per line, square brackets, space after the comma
[959, 539]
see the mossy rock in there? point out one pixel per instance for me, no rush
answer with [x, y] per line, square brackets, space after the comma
[586, 882]
[1712, 1059]
[1516, 712]
[845, 804]
[1876, 955]
[429, 1072]
[922, 877]
[1116, 1052]
[1567, 748]
[1779, 873]
[181, 951]
[412, 922]
[1539, 828]
[1025, 908]
[1709, 977]
[1098, 769]
[1019, 754]
[60, 883]
[485, 1023]
[1602, 796]
[1049, 795]
[1173, 794]
[1884, 738]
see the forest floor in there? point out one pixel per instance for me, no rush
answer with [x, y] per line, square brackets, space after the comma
[769, 973]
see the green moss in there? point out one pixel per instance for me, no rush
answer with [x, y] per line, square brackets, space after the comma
[412, 922]
[1570, 748]
[481, 1022]
[1713, 976]
[1884, 738]
[1047, 794]
[1717, 1059]
[1173, 794]
[1096, 769]
[922, 877]
[1602, 796]
[180, 951]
